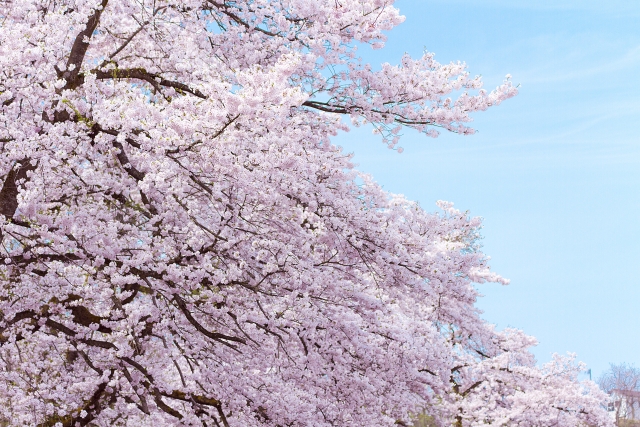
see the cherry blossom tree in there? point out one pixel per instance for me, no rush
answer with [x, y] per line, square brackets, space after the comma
[622, 383]
[183, 245]
[497, 382]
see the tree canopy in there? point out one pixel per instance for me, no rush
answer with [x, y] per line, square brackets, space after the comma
[182, 244]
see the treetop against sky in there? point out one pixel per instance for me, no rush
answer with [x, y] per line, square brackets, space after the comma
[183, 244]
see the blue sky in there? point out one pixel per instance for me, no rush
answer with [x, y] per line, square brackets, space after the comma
[555, 172]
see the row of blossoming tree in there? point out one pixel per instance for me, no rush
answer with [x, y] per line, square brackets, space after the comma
[183, 245]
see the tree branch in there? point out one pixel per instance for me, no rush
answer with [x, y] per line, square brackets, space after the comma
[80, 46]
[153, 79]
[9, 192]
[221, 338]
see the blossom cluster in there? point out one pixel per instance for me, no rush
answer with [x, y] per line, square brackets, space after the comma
[182, 244]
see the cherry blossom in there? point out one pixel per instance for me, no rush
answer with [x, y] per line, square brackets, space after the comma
[182, 244]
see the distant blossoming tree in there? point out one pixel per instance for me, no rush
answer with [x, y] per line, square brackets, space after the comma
[183, 245]
[622, 383]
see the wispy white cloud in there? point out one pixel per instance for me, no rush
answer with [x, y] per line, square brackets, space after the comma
[611, 7]
[582, 63]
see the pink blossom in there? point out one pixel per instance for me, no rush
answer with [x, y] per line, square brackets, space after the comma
[183, 245]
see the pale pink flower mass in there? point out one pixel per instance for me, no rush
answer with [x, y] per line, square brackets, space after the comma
[182, 244]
